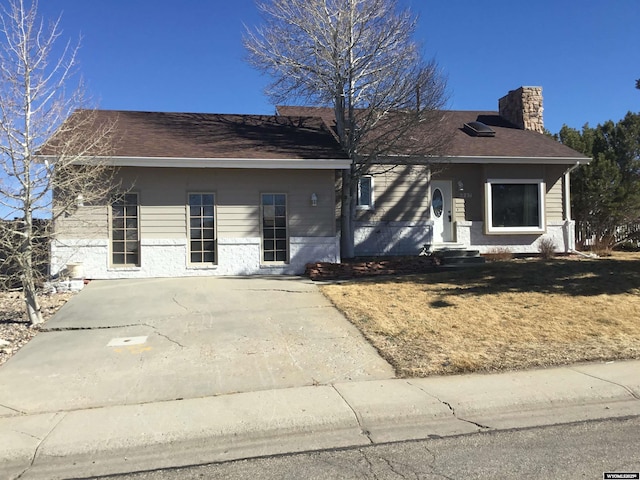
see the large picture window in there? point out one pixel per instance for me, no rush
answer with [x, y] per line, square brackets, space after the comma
[515, 206]
[274, 228]
[202, 235]
[125, 231]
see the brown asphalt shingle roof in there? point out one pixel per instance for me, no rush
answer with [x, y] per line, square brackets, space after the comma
[297, 133]
[509, 140]
[201, 135]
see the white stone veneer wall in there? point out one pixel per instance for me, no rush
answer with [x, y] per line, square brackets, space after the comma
[391, 238]
[168, 258]
[471, 235]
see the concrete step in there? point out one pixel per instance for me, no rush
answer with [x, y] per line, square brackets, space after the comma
[462, 260]
[454, 253]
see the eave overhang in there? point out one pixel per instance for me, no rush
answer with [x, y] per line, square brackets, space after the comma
[406, 160]
[244, 163]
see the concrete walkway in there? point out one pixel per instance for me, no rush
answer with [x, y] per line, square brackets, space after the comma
[74, 404]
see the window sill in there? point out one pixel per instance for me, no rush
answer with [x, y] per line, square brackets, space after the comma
[124, 268]
[364, 207]
[515, 231]
[212, 266]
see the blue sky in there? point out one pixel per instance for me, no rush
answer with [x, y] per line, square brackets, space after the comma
[187, 55]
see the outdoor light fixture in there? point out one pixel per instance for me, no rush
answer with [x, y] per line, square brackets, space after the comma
[80, 200]
[314, 200]
[460, 186]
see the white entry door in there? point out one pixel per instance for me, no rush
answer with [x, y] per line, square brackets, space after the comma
[441, 211]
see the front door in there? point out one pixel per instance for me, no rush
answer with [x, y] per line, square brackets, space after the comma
[441, 211]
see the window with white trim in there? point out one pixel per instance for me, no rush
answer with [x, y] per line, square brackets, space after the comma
[515, 206]
[125, 231]
[275, 241]
[202, 232]
[365, 193]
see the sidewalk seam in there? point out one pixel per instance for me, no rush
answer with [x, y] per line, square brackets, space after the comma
[631, 392]
[364, 431]
[37, 449]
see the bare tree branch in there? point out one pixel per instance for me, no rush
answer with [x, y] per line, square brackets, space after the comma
[37, 190]
[358, 57]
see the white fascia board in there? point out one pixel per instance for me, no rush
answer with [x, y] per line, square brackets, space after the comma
[248, 163]
[485, 160]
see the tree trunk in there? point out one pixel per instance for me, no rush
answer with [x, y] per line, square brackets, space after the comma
[347, 216]
[28, 275]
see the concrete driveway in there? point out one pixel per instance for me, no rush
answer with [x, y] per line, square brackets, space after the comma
[124, 342]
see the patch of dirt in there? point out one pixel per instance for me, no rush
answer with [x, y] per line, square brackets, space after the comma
[15, 329]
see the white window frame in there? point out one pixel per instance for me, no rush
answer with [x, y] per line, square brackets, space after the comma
[491, 229]
[370, 205]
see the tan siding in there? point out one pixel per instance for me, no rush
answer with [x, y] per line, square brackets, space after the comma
[162, 221]
[86, 222]
[400, 195]
[458, 209]
[237, 221]
[163, 196]
[554, 204]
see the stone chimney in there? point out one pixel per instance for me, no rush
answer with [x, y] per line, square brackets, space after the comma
[523, 108]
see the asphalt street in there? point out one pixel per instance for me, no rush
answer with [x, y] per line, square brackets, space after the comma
[580, 450]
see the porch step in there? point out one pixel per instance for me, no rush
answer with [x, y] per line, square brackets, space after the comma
[457, 257]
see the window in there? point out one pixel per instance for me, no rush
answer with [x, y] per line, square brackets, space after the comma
[515, 206]
[202, 234]
[125, 232]
[365, 193]
[274, 228]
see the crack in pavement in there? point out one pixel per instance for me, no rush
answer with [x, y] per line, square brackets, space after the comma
[12, 409]
[37, 449]
[175, 300]
[453, 410]
[111, 327]
[631, 392]
[71, 329]
[364, 431]
[168, 338]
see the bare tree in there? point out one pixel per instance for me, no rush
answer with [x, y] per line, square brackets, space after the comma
[34, 103]
[358, 57]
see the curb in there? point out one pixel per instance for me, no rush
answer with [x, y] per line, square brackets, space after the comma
[129, 438]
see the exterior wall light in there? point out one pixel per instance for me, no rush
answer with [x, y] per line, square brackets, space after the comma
[314, 200]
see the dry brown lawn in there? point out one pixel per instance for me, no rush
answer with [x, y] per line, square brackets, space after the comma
[500, 316]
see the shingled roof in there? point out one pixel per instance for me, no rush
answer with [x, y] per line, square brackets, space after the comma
[208, 136]
[508, 142]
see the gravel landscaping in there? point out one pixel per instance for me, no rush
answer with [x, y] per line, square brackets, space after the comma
[15, 330]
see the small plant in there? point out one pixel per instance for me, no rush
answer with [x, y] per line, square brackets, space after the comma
[499, 254]
[547, 248]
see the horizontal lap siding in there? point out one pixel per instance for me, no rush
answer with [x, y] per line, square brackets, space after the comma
[89, 222]
[163, 196]
[554, 205]
[162, 221]
[400, 195]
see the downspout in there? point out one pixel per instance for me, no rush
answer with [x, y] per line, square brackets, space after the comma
[569, 233]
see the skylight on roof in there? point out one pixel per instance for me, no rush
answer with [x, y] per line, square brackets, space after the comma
[479, 129]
